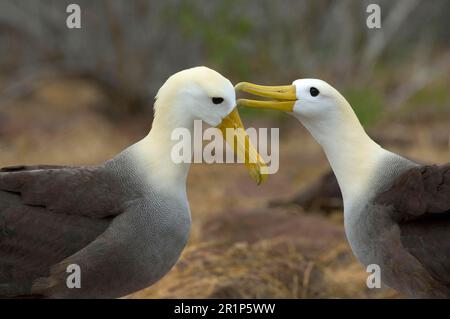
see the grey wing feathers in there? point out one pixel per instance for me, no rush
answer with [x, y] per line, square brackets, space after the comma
[421, 201]
[83, 191]
[48, 213]
[419, 192]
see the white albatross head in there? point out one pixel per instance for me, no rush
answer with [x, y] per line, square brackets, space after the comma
[315, 103]
[317, 100]
[331, 121]
[196, 94]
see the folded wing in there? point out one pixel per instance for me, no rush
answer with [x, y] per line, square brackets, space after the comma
[48, 213]
[421, 201]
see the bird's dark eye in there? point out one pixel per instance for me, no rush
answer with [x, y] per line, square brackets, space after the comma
[313, 91]
[217, 100]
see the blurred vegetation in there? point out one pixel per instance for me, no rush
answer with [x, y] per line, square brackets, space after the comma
[367, 103]
[435, 96]
[220, 32]
[129, 48]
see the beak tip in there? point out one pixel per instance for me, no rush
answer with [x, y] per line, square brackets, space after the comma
[258, 176]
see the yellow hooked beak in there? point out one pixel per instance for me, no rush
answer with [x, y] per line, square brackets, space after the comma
[234, 133]
[281, 98]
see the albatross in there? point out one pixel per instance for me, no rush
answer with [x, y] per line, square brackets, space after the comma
[122, 224]
[396, 211]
